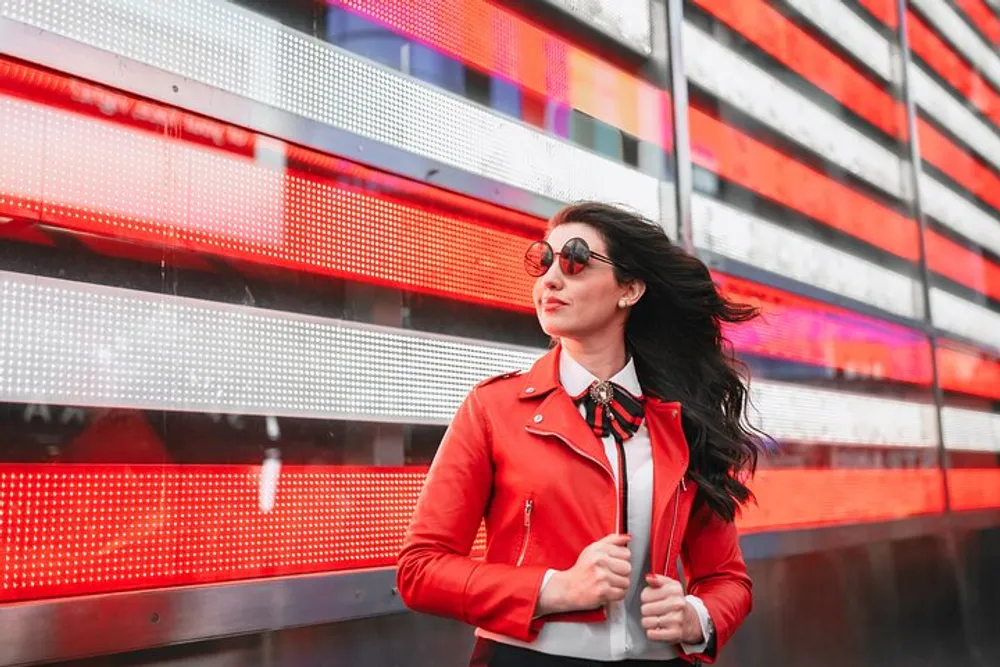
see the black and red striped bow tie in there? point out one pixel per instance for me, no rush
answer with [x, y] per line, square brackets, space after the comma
[610, 409]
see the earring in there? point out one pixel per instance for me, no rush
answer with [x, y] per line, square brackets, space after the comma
[622, 304]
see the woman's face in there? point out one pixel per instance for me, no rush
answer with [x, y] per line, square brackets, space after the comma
[584, 304]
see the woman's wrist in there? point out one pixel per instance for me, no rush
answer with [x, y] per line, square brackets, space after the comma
[692, 633]
[553, 597]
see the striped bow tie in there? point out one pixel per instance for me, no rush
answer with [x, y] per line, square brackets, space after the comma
[610, 409]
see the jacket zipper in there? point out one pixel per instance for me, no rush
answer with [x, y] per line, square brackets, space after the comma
[529, 504]
[673, 525]
[589, 458]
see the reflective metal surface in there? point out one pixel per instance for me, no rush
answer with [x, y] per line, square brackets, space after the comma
[97, 625]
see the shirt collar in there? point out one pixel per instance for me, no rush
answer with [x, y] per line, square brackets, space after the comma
[575, 378]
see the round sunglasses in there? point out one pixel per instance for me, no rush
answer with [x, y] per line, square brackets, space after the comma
[573, 258]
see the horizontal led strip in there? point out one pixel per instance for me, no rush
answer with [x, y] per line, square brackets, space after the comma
[229, 48]
[849, 30]
[797, 329]
[797, 498]
[970, 371]
[962, 317]
[962, 37]
[626, 22]
[803, 54]
[958, 213]
[498, 41]
[78, 344]
[105, 178]
[926, 43]
[982, 17]
[955, 116]
[971, 430]
[181, 354]
[734, 233]
[940, 151]
[81, 529]
[763, 169]
[949, 259]
[974, 489]
[731, 78]
[73, 529]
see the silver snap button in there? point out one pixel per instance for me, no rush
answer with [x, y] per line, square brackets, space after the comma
[529, 390]
[538, 419]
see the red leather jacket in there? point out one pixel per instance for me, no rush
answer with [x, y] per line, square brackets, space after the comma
[518, 455]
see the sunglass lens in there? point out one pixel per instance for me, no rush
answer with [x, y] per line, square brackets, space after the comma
[538, 259]
[574, 256]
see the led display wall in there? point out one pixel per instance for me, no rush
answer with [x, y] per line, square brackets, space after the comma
[244, 291]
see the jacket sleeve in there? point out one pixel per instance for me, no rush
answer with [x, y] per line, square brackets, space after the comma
[435, 574]
[717, 574]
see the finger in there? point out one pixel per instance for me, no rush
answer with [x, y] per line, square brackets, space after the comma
[616, 539]
[662, 607]
[621, 553]
[617, 581]
[660, 581]
[614, 593]
[617, 566]
[668, 635]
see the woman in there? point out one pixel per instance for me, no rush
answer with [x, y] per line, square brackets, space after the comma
[622, 449]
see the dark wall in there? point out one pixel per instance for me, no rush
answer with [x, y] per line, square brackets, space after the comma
[932, 601]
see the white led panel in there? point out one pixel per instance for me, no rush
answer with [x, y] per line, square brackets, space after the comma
[954, 115]
[850, 31]
[730, 77]
[70, 343]
[955, 314]
[626, 21]
[224, 46]
[78, 344]
[962, 37]
[951, 209]
[734, 233]
[805, 414]
[970, 430]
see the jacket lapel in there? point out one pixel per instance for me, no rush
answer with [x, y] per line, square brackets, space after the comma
[556, 415]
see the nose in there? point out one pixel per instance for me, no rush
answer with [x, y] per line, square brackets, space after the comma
[553, 278]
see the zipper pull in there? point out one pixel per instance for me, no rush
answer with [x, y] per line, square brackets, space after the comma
[528, 505]
[684, 486]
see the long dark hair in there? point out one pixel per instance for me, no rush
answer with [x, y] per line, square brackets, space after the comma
[674, 334]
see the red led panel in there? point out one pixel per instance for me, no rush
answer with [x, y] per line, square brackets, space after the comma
[77, 529]
[961, 166]
[973, 488]
[498, 41]
[982, 17]
[883, 10]
[962, 265]
[758, 167]
[95, 174]
[934, 51]
[800, 52]
[969, 371]
[802, 330]
[797, 497]
[71, 529]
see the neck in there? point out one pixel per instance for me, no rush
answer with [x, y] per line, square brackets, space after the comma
[603, 356]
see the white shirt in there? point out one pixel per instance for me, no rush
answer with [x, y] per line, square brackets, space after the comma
[622, 636]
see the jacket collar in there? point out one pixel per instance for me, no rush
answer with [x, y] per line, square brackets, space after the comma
[557, 414]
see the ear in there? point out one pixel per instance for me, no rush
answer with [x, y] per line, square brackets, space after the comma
[634, 290]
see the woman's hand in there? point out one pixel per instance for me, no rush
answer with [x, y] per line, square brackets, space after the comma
[666, 615]
[600, 576]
